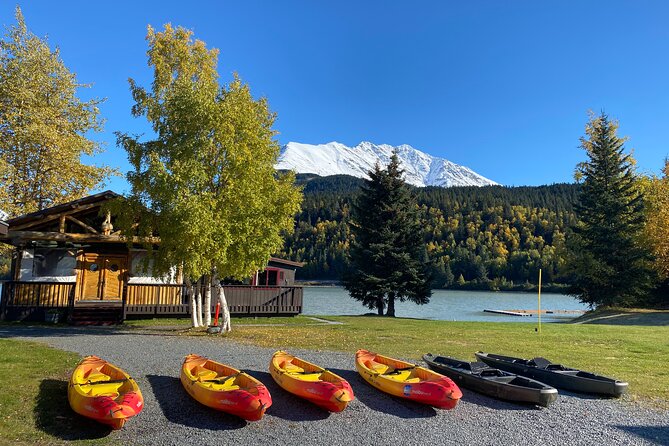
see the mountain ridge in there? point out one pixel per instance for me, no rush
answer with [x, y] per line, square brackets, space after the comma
[334, 158]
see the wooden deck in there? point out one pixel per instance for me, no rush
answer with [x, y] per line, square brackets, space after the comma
[30, 301]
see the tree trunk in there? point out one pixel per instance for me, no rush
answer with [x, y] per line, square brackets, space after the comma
[391, 305]
[379, 306]
[198, 299]
[190, 289]
[225, 312]
[207, 301]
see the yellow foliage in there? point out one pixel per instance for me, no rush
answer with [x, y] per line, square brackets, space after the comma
[656, 232]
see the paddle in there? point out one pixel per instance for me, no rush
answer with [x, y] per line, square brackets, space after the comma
[102, 382]
[402, 369]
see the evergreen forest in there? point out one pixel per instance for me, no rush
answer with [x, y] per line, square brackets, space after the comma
[493, 237]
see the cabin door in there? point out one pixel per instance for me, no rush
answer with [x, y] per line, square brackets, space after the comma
[102, 277]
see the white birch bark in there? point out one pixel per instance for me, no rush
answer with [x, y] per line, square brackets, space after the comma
[192, 303]
[198, 299]
[207, 301]
[225, 312]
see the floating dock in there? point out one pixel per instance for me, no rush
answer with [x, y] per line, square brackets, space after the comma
[507, 313]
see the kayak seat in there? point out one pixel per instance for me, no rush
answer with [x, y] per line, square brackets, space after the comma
[555, 367]
[106, 389]
[476, 366]
[289, 367]
[204, 374]
[95, 376]
[376, 366]
[225, 385]
[402, 376]
[540, 363]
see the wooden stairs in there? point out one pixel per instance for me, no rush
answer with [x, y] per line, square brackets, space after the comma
[97, 313]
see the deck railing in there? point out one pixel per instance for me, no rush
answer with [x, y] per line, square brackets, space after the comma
[19, 299]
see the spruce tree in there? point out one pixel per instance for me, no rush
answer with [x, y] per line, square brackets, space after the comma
[606, 260]
[388, 259]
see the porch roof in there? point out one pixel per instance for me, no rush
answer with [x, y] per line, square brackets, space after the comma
[286, 262]
[55, 210]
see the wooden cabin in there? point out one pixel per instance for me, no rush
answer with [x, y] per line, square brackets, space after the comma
[69, 259]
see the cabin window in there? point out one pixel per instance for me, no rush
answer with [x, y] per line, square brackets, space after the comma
[93, 267]
[269, 277]
[53, 262]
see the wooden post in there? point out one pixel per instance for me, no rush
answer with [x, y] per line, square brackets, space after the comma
[155, 308]
[70, 305]
[124, 301]
[539, 314]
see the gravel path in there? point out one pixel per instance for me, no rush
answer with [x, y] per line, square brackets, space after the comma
[171, 417]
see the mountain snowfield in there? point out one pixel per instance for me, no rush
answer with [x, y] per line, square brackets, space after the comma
[420, 169]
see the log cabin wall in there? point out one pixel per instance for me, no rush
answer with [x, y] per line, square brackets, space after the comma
[68, 256]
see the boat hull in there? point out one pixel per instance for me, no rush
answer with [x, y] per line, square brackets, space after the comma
[559, 376]
[103, 392]
[224, 388]
[406, 380]
[310, 382]
[501, 385]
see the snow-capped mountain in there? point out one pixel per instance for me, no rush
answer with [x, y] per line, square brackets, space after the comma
[420, 169]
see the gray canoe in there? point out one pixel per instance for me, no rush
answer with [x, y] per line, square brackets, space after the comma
[493, 382]
[556, 375]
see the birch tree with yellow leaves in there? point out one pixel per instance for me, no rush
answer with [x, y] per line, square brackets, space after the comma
[44, 126]
[205, 184]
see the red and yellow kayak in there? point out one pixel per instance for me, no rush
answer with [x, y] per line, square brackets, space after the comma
[311, 382]
[406, 380]
[224, 388]
[103, 392]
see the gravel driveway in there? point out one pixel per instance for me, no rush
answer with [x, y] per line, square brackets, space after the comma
[171, 417]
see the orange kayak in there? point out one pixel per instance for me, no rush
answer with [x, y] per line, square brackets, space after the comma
[103, 392]
[311, 382]
[224, 388]
[406, 380]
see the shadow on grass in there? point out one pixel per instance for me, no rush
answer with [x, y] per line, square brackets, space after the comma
[179, 408]
[54, 416]
[652, 434]
[31, 330]
[382, 402]
[285, 405]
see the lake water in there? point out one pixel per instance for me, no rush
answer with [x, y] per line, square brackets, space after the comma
[447, 305]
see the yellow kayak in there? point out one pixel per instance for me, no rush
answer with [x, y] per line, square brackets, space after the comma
[311, 382]
[406, 380]
[103, 392]
[224, 388]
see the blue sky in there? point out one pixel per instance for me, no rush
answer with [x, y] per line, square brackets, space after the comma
[502, 87]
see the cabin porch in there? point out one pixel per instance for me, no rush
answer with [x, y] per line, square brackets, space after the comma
[30, 301]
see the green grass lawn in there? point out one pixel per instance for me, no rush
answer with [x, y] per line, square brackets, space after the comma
[33, 397]
[636, 354]
[33, 394]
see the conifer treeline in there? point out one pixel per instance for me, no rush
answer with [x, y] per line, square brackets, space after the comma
[490, 237]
